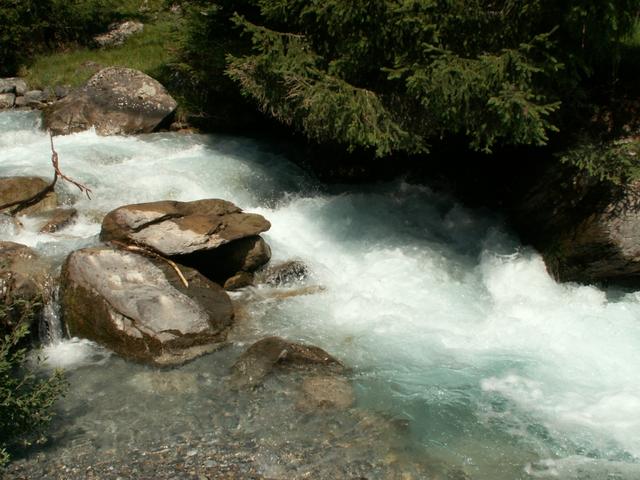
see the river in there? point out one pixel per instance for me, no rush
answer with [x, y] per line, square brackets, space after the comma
[465, 354]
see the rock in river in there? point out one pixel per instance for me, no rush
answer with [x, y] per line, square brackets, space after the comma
[214, 236]
[115, 101]
[16, 189]
[266, 354]
[23, 278]
[139, 308]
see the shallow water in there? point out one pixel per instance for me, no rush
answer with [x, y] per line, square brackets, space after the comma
[454, 331]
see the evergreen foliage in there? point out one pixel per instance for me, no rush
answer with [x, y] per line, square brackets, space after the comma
[397, 75]
[26, 398]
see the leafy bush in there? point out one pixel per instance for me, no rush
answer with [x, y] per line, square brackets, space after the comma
[397, 75]
[26, 398]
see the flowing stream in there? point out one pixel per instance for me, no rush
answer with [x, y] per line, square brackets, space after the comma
[463, 349]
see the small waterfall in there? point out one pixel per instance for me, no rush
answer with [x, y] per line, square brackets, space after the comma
[50, 325]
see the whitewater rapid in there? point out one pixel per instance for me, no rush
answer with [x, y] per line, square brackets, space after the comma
[447, 321]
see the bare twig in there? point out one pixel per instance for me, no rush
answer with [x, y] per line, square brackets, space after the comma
[57, 173]
[149, 252]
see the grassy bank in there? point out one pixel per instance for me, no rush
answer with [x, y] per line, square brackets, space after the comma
[147, 51]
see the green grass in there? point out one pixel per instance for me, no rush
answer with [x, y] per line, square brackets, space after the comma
[147, 51]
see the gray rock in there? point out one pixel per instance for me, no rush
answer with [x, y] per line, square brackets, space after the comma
[36, 97]
[118, 33]
[114, 101]
[20, 102]
[7, 100]
[62, 91]
[139, 308]
[283, 274]
[266, 354]
[14, 189]
[13, 85]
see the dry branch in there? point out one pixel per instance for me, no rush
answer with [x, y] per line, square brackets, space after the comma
[22, 204]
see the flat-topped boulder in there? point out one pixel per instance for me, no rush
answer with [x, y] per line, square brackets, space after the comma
[179, 228]
[114, 101]
[138, 306]
[18, 189]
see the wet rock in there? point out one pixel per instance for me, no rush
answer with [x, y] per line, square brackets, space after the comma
[283, 274]
[239, 280]
[13, 189]
[36, 97]
[58, 219]
[139, 308]
[164, 382]
[115, 101]
[7, 100]
[24, 276]
[326, 392]
[118, 33]
[13, 85]
[271, 352]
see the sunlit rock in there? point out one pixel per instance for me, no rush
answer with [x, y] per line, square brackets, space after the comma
[287, 273]
[118, 33]
[115, 101]
[57, 219]
[139, 308]
[213, 236]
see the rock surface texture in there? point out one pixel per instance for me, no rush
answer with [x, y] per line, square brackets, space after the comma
[266, 354]
[214, 236]
[118, 33]
[15, 189]
[23, 277]
[115, 101]
[139, 308]
[587, 231]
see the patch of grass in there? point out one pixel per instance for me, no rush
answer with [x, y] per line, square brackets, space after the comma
[147, 51]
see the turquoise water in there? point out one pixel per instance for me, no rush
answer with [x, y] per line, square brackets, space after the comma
[453, 330]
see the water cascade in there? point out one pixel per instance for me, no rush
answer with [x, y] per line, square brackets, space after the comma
[459, 341]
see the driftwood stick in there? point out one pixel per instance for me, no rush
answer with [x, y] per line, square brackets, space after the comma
[149, 252]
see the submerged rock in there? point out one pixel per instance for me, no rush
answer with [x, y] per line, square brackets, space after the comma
[115, 101]
[266, 354]
[24, 276]
[326, 392]
[139, 308]
[213, 236]
[15, 189]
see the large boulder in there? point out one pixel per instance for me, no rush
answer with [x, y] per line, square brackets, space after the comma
[24, 277]
[212, 235]
[587, 230]
[115, 101]
[15, 189]
[138, 306]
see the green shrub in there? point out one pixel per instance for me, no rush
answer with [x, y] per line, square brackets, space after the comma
[26, 397]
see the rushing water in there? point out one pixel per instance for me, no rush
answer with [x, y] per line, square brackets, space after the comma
[452, 328]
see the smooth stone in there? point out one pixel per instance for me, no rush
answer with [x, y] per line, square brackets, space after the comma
[325, 392]
[58, 219]
[7, 100]
[21, 188]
